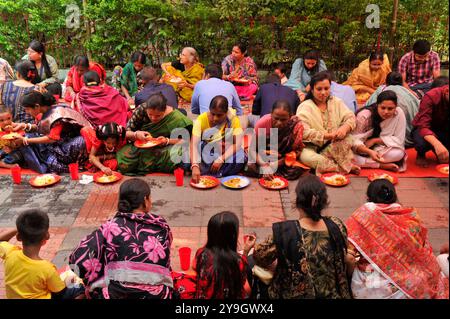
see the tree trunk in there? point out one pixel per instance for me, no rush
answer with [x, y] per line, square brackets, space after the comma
[393, 31]
[87, 25]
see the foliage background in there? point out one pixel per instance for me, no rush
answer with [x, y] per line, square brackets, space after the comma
[275, 30]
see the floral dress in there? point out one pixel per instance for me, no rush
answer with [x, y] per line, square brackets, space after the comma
[127, 257]
[309, 266]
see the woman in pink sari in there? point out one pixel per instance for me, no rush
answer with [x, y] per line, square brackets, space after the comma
[100, 103]
[394, 259]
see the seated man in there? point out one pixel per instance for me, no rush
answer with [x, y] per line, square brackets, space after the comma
[431, 126]
[419, 67]
[344, 92]
[150, 79]
[211, 86]
[269, 93]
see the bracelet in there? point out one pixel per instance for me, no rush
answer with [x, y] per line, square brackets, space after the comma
[195, 165]
[27, 127]
[135, 135]
[167, 141]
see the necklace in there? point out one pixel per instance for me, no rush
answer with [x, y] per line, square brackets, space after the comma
[109, 150]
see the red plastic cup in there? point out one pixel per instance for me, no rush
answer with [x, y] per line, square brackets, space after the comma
[185, 257]
[16, 173]
[73, 169]
[179, 176]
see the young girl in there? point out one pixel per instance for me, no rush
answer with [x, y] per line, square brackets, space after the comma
[221, 271]
[7, 156]
[102, 145]
[379, 137]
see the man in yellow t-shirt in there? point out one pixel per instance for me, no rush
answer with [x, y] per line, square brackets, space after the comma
[27, 276]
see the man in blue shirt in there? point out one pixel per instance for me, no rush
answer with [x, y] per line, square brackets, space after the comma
[268, 94]
[150, 78]
[344, 92]
[211, 86]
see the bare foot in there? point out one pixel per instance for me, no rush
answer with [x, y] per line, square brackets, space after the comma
[390, 167]
[355, 170]
[421, 161]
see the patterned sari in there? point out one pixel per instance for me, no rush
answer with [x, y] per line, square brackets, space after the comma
[290, 139]
[319, 154]
[137, 161]
[63, 125]
[395, 251]
[191, 76]
[310, 264]
[128, 257]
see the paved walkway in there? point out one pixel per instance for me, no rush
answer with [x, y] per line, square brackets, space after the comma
[75, 210]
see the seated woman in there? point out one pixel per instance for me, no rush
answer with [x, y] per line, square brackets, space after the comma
[46, 66]
[290, 133]
[406, 100]
[102, 145]
[390, 245]
[59, 129]
[155, 119]
[184, 81]
[221, 270]
[327, 123]
[302, 71]
[309, 253]
[128, 78]
[128, 257]
[74, 80]
[11, 92]
[379, 137]
[216, 142]
[100, 103]
[6, 71]
[369, 75]
[240, 69]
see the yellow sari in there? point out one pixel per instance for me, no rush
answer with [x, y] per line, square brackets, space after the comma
[191, 76]
[365, 81]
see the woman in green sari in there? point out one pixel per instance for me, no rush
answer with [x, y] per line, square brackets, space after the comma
[185, 76]
[155, 119]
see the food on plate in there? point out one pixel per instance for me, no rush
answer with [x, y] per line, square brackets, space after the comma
[107, 179]
[175, 80]
[274, 183]
[233, 182]
[336, 179]
[383, 176]
[207, 182]
[444, 169]
[11, 136]
[44, 180]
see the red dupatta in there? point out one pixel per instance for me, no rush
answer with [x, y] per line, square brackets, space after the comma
[102, 104]
[392, 238]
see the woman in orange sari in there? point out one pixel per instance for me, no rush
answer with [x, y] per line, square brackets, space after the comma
[394, 259]
[369, 75]
[184, 80]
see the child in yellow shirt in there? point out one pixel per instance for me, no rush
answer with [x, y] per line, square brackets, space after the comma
[8, 157]
[27, 276]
